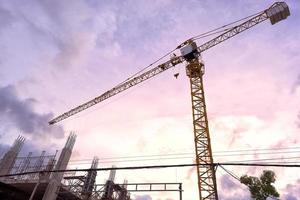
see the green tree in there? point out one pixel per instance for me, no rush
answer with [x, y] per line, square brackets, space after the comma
[261, 188]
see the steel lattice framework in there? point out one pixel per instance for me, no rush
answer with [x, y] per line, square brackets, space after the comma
[195, 70]
[120, 88]
[205, 169]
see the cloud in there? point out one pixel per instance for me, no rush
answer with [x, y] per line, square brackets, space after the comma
[296, 84]
[64, 31]
[232, 189]
[20, 114]
[298, 120]
[107, 40]
[292, 191]
[5, 18]
[190, 172]
[227, 183]
[290, 197]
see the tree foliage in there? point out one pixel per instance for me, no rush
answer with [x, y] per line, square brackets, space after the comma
[261, 188]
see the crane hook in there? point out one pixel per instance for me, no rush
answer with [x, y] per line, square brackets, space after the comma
[176, 75]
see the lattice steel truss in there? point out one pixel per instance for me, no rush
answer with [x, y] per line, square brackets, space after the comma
[205, 169]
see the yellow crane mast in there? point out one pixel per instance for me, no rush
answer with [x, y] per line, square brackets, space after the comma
[191, 55]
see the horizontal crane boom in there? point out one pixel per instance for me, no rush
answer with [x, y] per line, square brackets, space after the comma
[121, 87]
[277, 12]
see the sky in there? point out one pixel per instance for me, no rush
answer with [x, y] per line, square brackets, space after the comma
[55, 55]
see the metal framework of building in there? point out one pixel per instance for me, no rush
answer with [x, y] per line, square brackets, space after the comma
[34, 186]
[63, 186]
[140, 187]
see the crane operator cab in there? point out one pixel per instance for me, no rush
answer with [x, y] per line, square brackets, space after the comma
[190, 53]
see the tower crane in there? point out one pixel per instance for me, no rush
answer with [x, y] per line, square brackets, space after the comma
[191, 56]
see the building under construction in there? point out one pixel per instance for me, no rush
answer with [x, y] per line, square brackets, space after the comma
[34, 178]
[47, 185]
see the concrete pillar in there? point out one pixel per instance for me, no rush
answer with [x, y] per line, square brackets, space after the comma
[53, 187]
[9, 158]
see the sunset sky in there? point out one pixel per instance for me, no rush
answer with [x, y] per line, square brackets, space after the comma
[55, 55]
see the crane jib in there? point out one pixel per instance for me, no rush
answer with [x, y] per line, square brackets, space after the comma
[277, 12]
[121, 87]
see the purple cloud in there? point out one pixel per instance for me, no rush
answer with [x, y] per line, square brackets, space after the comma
[20, 114]
[143, 197]
[232, 189]
[292, 191]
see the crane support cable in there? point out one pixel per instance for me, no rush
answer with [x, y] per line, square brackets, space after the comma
[277, 12]
[233, 31]
[237, 178]
[230, 173]
[224, 28]
[156, 167]
[197, 37]
[150, 65]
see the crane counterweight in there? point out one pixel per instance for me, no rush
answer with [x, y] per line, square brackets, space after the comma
[278, 12]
